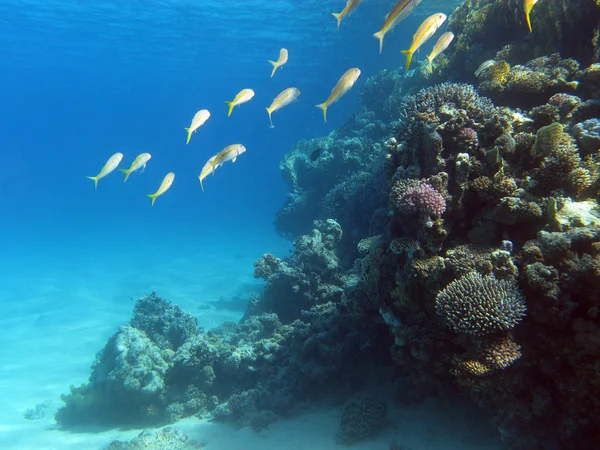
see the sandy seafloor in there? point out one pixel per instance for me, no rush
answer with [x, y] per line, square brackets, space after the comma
[57, 312]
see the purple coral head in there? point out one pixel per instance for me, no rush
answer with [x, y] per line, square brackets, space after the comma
[423, 198]
[466, 134]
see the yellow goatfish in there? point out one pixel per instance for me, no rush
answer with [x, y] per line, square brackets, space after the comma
[138, 163]
[424, 32]
[442, 44]
[164, 186]
[399, 12]
[343, 85]
[199, 118]
[351, 5]
[283, 57]
[243, 96]
[229, 153]
[110, 166]
[286, 97]
[527, 7]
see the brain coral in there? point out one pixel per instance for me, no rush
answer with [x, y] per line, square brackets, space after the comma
[479, 305]
[361, 419]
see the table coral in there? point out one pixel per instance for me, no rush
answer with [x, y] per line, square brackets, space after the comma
[479, 305]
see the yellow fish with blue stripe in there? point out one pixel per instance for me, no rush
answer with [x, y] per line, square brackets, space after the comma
[245, 95]
[399, 12]
[340, 89]
[197, 121]
[527, 7]
[351, 5]
[138, 163]
[283, 58]
[423, 34]
[112, 163]
[440, 46]
[284, 98]
[164, 186]
[229, 153]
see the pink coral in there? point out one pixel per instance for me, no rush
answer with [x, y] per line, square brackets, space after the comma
[467, 139]
[422, 198]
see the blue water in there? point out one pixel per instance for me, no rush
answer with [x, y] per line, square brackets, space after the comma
[81, 80]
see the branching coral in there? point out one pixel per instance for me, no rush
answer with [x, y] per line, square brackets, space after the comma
[423, 199]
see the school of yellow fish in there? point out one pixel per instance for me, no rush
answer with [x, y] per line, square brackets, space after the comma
[400, 11]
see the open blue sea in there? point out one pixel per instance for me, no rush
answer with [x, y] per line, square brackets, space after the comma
[82, 80]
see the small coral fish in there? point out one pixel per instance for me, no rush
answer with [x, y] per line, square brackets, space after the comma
[243, 96]
[343, 85]
[399, 12]
[351, 5]
[199, 118]
[164, 186]
[423, 34]
[283, 58]
[229, 153]
[527, 7]
[286, 97]
[112, 163]
[138, 163]
[486, 65]
[442, 44]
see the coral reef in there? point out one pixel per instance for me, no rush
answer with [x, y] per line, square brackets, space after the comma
[447, 231]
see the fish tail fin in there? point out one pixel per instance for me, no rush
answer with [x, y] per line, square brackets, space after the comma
[126, 172]
[153, 197]
[231, 105]
[95, 180]
[275, 66]
[324, 107]
[528, 20]
[189, 135]
[339, 17]
[379, 35]
[430, 64]
[201, 185]
[409, 55]
[270, 112]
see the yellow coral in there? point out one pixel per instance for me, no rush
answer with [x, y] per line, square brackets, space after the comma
[547, 139]
[498, 72]
[429, 267]
[371, 266]
[502, 352]
[470, 367]
[580, 179]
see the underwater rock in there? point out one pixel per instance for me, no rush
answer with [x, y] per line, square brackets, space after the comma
[578, 214]
[167, 438]
[310, 277]
[588, 135]
[333, 178]
[165, 324]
